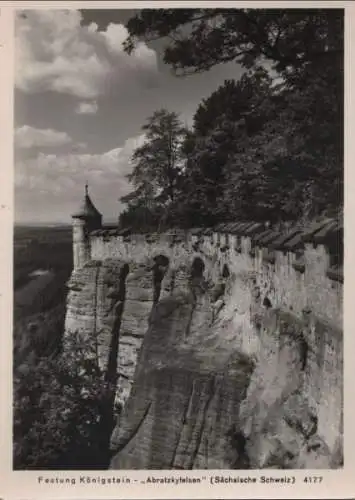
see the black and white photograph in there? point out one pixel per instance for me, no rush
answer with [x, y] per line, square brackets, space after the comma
[178, 239]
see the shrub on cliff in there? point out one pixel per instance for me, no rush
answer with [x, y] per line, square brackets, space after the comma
[60, 414]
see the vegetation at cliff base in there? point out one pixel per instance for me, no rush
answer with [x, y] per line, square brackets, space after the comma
[268, 147]
[62, 417]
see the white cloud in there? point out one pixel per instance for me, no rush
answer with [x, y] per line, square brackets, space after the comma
[54, 52]
[87, 108]
[31, 137]
[50, 181]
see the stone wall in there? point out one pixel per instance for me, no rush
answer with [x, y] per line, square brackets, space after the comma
[294, 270]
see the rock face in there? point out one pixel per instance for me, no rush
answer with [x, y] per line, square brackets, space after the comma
[222, 359]
[283, 423]
[212, 392]
[109, 303]
[183, 403]
[138, 303]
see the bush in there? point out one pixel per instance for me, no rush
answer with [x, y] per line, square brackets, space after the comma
[62, 413]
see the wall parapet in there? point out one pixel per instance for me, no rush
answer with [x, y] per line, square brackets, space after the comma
[229, 236]
[297, 268]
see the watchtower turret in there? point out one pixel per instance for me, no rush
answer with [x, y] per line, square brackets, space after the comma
[85, 220]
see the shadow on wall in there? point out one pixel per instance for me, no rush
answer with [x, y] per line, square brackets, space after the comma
[196, 276]
[197, 269]
[225, 271]
[160, 266]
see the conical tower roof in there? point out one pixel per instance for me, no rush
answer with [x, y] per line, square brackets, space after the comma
[87, 209]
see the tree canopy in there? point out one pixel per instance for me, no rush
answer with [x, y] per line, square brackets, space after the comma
[197, 39]
[268, 146]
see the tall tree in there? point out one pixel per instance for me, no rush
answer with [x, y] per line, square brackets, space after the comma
[158, 163]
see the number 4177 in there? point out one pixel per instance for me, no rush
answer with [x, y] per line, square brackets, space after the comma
[313, 479]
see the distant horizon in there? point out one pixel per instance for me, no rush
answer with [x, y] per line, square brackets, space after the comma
[51, 223]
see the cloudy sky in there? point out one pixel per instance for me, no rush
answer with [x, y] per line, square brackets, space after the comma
[80, 103]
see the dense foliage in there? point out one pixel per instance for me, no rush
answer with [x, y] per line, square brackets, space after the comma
[268, 147]
[197, 39]
[62, 412]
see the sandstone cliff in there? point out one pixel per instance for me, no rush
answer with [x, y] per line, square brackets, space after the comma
[215, 390]
[98, 295]
[216, 367]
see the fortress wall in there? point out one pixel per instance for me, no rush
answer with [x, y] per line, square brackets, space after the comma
[306, 291]
[278, 279]
[324, 295]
